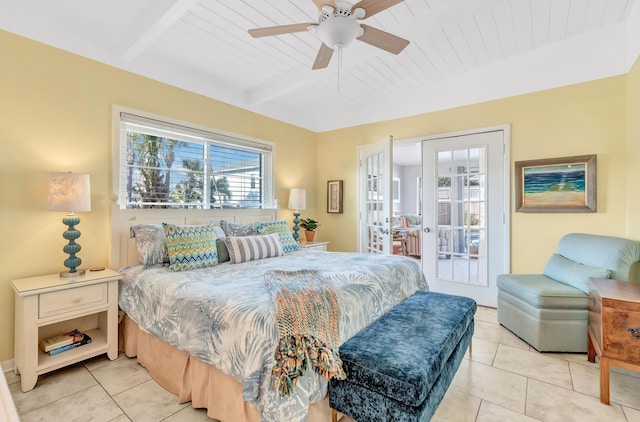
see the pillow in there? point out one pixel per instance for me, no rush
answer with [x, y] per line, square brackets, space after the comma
[223, 252]
[235, 229]
[573, 273]
[151, 244]
[282, 229]
[249, 248]
[191, 247]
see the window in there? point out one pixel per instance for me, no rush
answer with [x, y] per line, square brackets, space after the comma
[163, 164]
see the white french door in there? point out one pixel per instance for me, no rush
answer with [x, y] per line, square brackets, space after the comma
[465, 238]
[375, 202]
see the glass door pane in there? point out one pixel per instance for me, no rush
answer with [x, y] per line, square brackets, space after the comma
[374, 199]
[461, 222]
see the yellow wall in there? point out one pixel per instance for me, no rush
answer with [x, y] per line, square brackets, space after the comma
[588, 118]
[56, 116]
[55, 110]
[633, 151]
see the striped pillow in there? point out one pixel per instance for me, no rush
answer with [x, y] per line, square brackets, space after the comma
[191, 247]
[249, 248]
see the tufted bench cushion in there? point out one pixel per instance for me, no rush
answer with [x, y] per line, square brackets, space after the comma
[400, 366]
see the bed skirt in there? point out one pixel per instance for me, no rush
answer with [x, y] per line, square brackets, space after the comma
[193, 380]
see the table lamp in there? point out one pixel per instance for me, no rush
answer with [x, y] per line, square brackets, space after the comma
[297, 202]
[70, 192]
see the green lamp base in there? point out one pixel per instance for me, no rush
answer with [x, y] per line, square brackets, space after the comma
[296, 227]
[71, 248]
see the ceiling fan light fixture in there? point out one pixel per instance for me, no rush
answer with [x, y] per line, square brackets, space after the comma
[339, 30]
[327, 9]
[338, 26]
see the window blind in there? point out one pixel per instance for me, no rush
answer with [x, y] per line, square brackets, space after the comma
[169, 165]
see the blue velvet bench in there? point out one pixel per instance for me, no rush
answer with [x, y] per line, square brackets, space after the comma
[400, 366]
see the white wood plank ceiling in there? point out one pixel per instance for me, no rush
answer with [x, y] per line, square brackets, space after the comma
[460, 51]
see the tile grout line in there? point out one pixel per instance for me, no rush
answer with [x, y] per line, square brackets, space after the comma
[106, 392]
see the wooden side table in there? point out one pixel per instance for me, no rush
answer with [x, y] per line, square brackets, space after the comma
[400, 238]
[50, 305]
[614, 328]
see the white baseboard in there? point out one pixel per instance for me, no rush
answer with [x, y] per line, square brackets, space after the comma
[8, 365]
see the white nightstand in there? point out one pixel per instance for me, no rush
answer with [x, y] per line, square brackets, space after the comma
[50, 305]
[316, 245]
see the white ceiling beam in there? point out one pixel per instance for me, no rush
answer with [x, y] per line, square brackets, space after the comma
[153, 23]
[431, 19]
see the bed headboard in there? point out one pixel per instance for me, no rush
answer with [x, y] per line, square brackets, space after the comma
[123, 247]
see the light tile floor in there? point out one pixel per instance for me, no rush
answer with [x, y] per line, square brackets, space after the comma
[503, 380]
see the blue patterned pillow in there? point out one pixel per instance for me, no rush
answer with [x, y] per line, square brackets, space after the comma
[249, 248]
[150, 243]
[282, 228]
[237, 229]
[191, 247]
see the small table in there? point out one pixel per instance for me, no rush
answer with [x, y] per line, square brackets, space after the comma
[316, 245]
[50, 305]
[400, 236]
[614, 328]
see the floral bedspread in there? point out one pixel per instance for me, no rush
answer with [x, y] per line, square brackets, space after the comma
[225, 316]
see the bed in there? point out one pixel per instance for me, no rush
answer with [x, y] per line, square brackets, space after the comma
[209, 335]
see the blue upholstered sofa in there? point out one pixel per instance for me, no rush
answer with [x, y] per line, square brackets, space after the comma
[550, 310]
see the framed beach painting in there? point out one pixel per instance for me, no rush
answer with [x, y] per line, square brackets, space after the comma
[565, 184]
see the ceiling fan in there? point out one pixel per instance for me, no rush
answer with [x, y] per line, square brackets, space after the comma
[338, 26]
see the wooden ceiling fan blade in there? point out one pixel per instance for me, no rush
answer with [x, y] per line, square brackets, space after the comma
[279, 30]
[323, 57]
[384, 40]
[320, 3]
[374, 6]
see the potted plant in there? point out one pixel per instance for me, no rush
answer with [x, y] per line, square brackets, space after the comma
[309, 225]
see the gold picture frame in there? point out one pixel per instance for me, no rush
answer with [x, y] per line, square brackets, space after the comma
[564, 184]
[334, 197]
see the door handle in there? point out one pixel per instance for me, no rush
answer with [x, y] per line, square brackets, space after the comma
[426, 230]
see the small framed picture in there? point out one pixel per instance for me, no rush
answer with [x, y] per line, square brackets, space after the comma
[334, 196]
[566, 184]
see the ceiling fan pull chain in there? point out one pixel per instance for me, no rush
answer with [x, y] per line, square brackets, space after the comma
[339, 65]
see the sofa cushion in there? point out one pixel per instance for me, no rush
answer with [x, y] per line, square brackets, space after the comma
[540, 291]
[408, 220]
[614, 253]
[413, 343]
[573, 273]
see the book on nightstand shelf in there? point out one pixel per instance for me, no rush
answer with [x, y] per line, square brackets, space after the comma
[60, 340]
[85, 340]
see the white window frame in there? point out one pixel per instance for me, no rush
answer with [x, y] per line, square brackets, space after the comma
[117, 110]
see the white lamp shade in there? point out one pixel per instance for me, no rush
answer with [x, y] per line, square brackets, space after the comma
[69, 192]
[297, 199]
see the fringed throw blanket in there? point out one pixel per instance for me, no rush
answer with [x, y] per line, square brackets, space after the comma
[308, 315]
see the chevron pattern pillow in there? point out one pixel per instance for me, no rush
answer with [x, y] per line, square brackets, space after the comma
[282, 229]
[191, 247]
